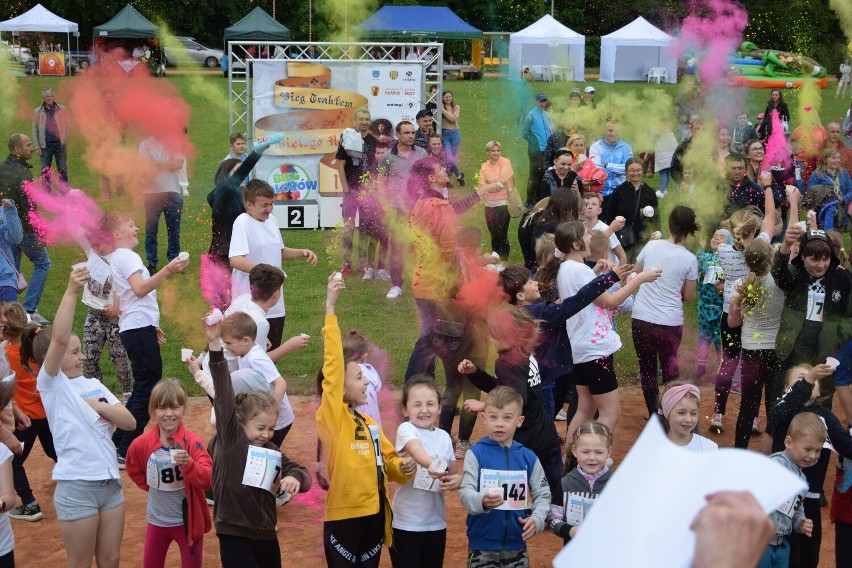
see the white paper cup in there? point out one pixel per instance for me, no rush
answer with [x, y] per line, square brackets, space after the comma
[184, 255]
[215, 317]
[78, 265]
[185, 354]
[439, 465]
[304, 335]
[832, 362]
[803, 225]
[648, 211]
[620, 218]
[173, 452]
[337, 276]
[656, 235]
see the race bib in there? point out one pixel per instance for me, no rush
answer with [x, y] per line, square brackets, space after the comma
[377, 445]
[788, 507]
[263, 469]
[577, 506]
[512, 485]
[712, 274]
[163, 473]
[816, 303]
[422, 480]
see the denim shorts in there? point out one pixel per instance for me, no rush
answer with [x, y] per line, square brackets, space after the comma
[75, 499]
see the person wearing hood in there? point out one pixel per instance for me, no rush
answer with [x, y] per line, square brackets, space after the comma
[563, 173]
[816, 320]
[610, 153]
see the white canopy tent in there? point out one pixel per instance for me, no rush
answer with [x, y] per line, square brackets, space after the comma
[628, 53]
[40, 19]
[547, 42]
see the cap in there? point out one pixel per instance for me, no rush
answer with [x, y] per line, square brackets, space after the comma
[424, 112]
[575, 90]
[589, 90]
[540, 97]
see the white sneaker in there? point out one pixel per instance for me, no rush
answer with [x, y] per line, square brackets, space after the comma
[660, 194]
[185, 192]
[369, 274]
[383, 274]
[562, 416]
[394, 293]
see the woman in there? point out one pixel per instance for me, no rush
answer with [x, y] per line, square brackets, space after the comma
[562, 174]
[829, 172]
[632, 200]
[754, 152]
[436, 150]
[593, 177]
[450, 133]
[11, 233]
[497, 177]
[776, 103]
[723, 147]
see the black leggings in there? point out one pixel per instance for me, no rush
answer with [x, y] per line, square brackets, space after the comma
[842, 545]
[276, 331]
[38, 429]
[759, 372]
[239, 552]
[279, 435]
[731, 347]
[652, 342]
[418, 549]
[804, 551]
[497, 219]
[354, 542]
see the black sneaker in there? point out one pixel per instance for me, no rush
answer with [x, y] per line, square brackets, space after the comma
[120, 462]
[29, 513]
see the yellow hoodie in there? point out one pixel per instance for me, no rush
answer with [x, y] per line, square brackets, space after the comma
[353, 442]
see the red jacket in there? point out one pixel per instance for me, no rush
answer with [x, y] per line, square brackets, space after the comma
[197, 474]
[841, 503]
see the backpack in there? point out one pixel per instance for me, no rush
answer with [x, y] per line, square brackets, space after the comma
[822, 200]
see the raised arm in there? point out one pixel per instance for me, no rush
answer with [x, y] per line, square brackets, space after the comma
[64, 320]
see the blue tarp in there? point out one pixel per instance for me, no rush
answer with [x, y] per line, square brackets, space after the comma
[428, 22]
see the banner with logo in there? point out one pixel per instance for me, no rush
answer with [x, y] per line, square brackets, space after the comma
[51, 63]
[310, 104]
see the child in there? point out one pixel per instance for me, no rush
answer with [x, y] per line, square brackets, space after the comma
[7, 487]
[139, 322]
[802, 446]
[742, 132]
[255, 239]
[504, 489]
[658, 308]
[591, 212]
[237, 147]
[357, 348]
[678, 409]
[29, 402]
[173, 466]
[419, 519]
[599, 247]
[361, 459]
[88, 483]
[546, 267]
[816, 318]
[756, 307]
[587, 475]
[709, 304]
[238, 333]
[245, 516]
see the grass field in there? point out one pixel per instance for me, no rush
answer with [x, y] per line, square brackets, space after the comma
[490, 111]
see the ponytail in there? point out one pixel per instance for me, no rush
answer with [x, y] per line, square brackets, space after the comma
[758, 258]
[34, 343]
[744, 223]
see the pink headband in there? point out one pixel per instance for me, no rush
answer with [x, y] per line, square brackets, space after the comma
[673, 396]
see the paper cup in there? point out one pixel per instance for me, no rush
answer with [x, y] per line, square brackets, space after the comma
[215, 317]
[656, 235]
[78, 265]
[185, 354]
[648, 211]
[803, 225]
[173, 452]
[811, 215]
[184, 255]
[620, 218]
[832, 362]
[439, 465]
[304, 335]
[337, 276]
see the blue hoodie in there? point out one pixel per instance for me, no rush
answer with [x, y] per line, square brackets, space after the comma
[614, 156]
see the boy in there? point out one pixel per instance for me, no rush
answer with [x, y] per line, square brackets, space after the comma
[742, 132]
[805, 438]
[138, 324]
[501, 478]
[591, 212]
[238, 332]
[256, 239]
[237, 145]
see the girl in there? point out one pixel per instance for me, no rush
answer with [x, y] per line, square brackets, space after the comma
[88, 499]
[545, 247]
[28, 401]
[723, 147]
[497, 176]
[7, 487]
[588, 471]
[593, 340]
[845, 78]
[450, 133]
[361, 460]
[658, 308]
[745, 226]
[173, 466]
[775, 103]
[756, 307]
[419, 519]
[245, 495]
[709, 300]
[678, 409]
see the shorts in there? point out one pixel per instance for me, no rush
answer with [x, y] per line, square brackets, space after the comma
[597, 375]
[78, 499]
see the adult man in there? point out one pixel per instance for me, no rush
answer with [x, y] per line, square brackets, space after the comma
[834, 139]
[166, 182]
[425, 120]
[610, 153]
[394, 169]
[50, 132]
[13, 173]
[355, 153]
[589, 97]
[739, 189]
[536, 130]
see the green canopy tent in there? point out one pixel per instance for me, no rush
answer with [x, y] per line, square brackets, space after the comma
[257, 26]
[127, 24]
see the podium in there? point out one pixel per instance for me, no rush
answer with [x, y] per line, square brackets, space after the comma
[296, 214]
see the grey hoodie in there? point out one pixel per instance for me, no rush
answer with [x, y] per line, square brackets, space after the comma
[785, 524]
[574, 482]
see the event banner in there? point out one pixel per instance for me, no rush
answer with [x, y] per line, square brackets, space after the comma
[51, 63]
[310, 104]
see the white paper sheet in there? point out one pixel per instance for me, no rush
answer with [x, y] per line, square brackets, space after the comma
[658, 490]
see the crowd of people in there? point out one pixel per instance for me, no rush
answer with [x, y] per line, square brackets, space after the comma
[774, 297]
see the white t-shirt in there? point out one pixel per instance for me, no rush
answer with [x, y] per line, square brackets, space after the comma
[734, 267]
[700, 444]
[590, 331]
[7, 537]
[613, 240]
[97, 294]
[421, 510]
[136, 312]
[260, 243]
[246, 305]
[761, 327]
[660, 301]
[258, 360]
[82, 437]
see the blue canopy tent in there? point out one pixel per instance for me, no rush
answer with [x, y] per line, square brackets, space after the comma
[429, 22]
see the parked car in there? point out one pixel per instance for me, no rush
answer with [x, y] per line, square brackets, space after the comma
[198, 52]
[22, 54]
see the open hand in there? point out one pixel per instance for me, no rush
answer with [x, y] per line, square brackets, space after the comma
[529, 527]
